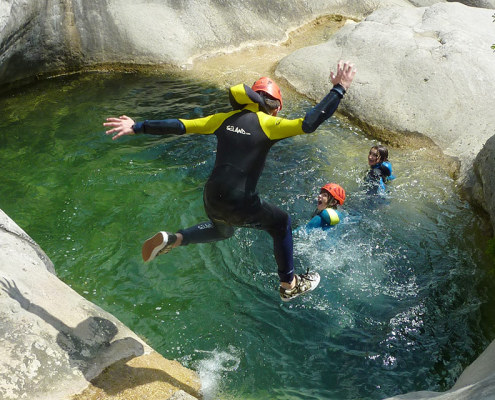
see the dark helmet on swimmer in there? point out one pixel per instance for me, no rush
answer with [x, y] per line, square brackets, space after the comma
[336, 191]
[269, 87]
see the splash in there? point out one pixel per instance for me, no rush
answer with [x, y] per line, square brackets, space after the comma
[213, 368]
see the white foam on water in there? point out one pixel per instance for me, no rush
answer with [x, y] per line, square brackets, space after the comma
[213, 368]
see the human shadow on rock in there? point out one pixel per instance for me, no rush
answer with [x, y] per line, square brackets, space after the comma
[89, 345]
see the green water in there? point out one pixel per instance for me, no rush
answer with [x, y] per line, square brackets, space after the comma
[406, 293]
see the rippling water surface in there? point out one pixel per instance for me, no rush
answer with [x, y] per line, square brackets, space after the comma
[406, 286]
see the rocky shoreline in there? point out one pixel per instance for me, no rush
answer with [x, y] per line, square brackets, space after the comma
[56, 344]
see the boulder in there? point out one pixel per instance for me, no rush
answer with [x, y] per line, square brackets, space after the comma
[44, 38]
[54, 342]
[422, 72]
[426, 3]
[479, 3]
[483, 192]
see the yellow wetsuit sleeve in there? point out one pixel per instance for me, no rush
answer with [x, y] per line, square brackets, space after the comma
[206, 125]
[239, 95]
[279, 128]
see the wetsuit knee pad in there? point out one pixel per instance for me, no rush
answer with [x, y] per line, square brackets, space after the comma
[206, 232]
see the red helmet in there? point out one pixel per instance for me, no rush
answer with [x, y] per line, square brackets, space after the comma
[268, 86]
[336, 191]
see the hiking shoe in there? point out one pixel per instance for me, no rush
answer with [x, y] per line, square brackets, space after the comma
[304, 283]
[161, 243]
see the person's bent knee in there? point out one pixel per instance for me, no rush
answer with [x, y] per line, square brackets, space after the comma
[225, 231]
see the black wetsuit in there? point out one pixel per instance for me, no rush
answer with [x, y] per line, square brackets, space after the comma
[245, 136]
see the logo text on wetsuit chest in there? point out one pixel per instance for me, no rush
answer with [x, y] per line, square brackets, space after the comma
[236, 129]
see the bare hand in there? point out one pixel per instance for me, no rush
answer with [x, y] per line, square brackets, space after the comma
[121, 126]
[345, 74]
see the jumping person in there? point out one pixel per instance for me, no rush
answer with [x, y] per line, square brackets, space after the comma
[326, 213]
[244, 138]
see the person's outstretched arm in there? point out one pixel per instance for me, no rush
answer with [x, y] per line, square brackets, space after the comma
[324, 109]
[124, 125]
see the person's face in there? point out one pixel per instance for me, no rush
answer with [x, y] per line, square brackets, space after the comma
[323, 199]
[373, 157]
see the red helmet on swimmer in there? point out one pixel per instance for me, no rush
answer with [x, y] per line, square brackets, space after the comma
[336, 191]
[268, 86]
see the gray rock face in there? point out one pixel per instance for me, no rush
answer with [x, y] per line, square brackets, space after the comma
[478, 3]
[41, 37]
[471, 3]
[53, 340]
[425, 3]
[483, 190]
[21, 250]
[45, 37]
[427, 71]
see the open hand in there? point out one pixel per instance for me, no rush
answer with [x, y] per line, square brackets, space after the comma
[345, 74]
[121, 126]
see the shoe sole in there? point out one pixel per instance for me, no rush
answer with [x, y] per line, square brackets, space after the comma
[317, 280]
[152, 246]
